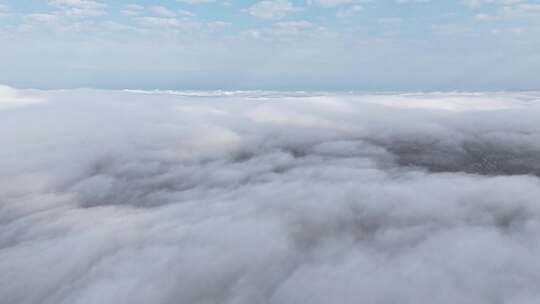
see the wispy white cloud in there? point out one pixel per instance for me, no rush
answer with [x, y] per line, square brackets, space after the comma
[218, 24]
[185, 13]
[132, 10]
[512, 30]
[81, 8]
[195, 1]
[159, 21]
[510, 9]
[331, 3]
[45, 18]
[390, 20]
[272, 9]
[135, 23]
[520, 10]
[4, 10]
[162, 11]
[412, 1]
[350, 11]
[475, 3]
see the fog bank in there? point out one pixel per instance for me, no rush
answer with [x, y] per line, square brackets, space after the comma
[269, 197]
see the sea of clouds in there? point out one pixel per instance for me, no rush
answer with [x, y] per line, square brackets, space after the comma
[268, 197]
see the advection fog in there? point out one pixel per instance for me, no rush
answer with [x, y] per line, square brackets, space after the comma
[261, 197]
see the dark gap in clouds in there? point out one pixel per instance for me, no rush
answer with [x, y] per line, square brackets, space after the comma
[152, 183]
[484, 158]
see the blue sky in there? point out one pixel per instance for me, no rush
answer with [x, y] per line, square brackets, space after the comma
[273, 44]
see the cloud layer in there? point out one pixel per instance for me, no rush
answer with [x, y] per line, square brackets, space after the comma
[263, 197]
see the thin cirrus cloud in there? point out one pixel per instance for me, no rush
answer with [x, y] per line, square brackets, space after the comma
[4, 10]
[195, 1]
[162, 11]
[332, 3]
[272, 9]
[82, 8]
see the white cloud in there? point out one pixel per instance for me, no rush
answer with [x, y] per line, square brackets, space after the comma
[195, 1]
[162, 11]
[512, 30]
[219, 24]
[412, 1]
[287, 33]
[520, 10]
[44, 18]
[507, 9]
[159, 21]
[185, 13]
[472, 3]
[295, 25]
[390, 20]
[272, 9]
[12, 98]
[269, 197]
[162, 16]
[136, 7]
[166, 25]
[132, 10]
[331, 3]
[349, 11]
[130, 13]
[80, 8]
[89, 4]
[4, 10]
[486, 17]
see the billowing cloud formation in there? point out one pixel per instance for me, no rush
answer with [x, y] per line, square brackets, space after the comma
[260, 197]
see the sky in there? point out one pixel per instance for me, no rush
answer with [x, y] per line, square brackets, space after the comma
[361, 45]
